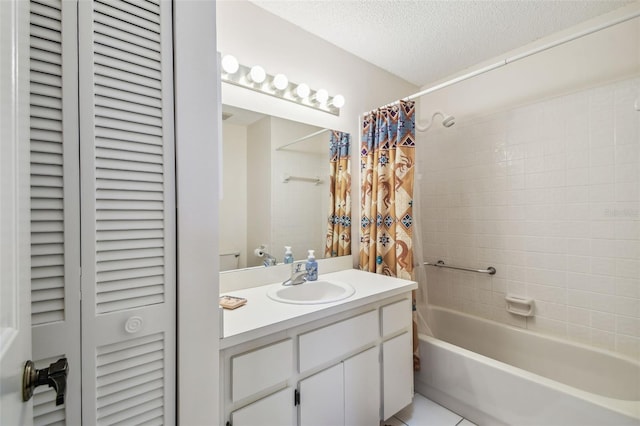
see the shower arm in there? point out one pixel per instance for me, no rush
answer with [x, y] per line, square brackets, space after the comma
[447, 121]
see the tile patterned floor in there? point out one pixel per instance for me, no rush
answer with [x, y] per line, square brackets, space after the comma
[426, 412]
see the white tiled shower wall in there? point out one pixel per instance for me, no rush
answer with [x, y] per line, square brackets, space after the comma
[548, 194]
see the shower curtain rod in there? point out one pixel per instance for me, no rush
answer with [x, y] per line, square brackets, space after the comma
[319, 132]
[629, 16]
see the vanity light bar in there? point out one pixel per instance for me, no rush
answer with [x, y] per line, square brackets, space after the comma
[255, 78]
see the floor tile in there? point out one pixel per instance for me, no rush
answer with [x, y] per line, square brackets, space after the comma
[392, 422]
[466, 422]
[426, 412]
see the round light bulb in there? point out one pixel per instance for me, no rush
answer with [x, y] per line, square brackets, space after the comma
[303, 91]
[280, 81]
[257, 74]
[338, 101]
[322, 96]
[230, 64]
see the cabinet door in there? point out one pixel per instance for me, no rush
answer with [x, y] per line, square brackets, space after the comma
[273, 410]
[322, 398]
[362, 389]
[397, 370]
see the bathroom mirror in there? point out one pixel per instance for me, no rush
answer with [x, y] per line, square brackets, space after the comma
[275, 188]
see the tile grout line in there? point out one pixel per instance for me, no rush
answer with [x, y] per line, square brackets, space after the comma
[407, 424]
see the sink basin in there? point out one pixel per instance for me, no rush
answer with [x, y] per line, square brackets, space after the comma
[311, 292]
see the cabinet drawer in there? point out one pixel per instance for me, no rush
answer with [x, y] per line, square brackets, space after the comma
[260, 369]
[396, 317]
[333, 341]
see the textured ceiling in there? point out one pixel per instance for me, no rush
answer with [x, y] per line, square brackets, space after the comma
[423, 41]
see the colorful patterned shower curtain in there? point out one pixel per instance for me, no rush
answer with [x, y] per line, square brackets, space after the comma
[338, 242]
[387, 158]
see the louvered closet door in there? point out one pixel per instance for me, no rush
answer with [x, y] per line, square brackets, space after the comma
[127, 212]
[55, 227]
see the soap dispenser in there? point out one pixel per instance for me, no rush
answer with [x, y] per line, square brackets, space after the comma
[288, 255]
[312, 267]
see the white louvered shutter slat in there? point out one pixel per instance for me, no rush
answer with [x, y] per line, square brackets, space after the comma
[45, 182]
[55, 284]
[128, 212]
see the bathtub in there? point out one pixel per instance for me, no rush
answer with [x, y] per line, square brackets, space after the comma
[494, 374]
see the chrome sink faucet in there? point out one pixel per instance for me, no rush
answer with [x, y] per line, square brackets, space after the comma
[269, 260]
[298, 275]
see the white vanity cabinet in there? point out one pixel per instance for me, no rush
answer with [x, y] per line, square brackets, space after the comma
[397, 357]
[362, 387]
[322, 398]
[273, 410]
[345, 394]
[352, 368]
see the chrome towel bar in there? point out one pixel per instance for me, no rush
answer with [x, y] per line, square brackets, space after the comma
[490, 270]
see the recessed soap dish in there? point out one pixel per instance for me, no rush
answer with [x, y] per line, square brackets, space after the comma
[522, 306]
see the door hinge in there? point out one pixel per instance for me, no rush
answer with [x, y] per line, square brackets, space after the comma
[296, 397]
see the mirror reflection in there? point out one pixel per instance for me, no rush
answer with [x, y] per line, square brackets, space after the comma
[285, 184]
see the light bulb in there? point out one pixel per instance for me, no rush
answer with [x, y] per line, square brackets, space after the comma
[280, 81]
[338, 101]
[230, 64]
[322, 96]
[257, 74]
[303, 91]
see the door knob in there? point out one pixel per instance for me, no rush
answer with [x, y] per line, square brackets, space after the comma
[55, 376]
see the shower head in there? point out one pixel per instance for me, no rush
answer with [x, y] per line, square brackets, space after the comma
[447, 121]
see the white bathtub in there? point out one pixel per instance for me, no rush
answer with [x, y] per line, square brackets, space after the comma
[495, 374]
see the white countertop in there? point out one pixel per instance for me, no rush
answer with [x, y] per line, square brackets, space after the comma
[262, 316]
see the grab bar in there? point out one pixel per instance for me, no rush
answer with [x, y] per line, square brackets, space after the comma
[490, 270]
[287, 178]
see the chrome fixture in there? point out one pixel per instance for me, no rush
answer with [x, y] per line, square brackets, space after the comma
[447, 121]
[279, 86]
[298, 276]
[490, 270]
[269, 260]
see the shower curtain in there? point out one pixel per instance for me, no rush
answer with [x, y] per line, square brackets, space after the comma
[338, 241]
[387, 159]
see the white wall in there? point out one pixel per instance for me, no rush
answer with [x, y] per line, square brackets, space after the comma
[196, 108]
[258, 188]
[299, 208]
[607, 55]
[255, 36]
[233, 206]
[540, 178]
